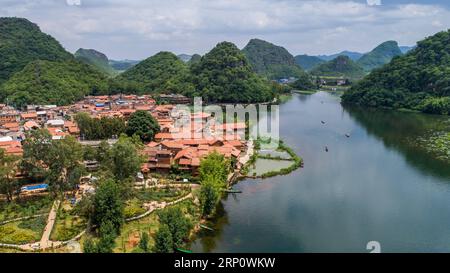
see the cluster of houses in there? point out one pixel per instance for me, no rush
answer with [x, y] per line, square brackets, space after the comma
[183, 141]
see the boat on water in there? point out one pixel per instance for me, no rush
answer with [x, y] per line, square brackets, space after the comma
[205, 227]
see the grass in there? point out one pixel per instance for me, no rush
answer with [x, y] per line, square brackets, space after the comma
[22, 232]
[161, 194]
[133, 208]
[283, 98]
[25, 207]
[306, 92]
[68, 224]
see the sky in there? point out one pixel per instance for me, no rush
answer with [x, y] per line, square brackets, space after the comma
[137, 29]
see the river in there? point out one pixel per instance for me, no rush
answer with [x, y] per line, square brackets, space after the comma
[373, 186]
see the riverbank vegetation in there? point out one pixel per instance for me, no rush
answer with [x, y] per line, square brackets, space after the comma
[438, 143]
[418, 80]
[278, 159]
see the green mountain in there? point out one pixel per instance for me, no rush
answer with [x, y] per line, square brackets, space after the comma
[271, 61]
[342, 66]
[194, 59]
[352, 55]
[308, 62]
[419, 80]
[22, 42]
[225, 75]
[96, 59]
[161, 73]
[380, 56]
[122, 65]
[53, 82]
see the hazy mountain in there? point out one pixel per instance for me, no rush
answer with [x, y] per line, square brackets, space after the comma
[96, 59]
[308, 62]
[185, 57]
[380, 55]
[194, 59]
[122, 65]
[342, 66]
[406, 49]
[352, 55]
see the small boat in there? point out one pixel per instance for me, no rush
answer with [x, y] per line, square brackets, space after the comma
[233, 191]
[323, 122]
[347, 135]
[326, 149]
[205, 227]
[183, 250]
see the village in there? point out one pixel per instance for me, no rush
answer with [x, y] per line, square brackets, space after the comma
[182, 141]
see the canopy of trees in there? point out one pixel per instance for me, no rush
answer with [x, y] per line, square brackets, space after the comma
[46, 82]
[419, 80]
[224, 75]
[142, 124]
[96, 129]
[379, 56]
[96, 59]
[308, 62]
[23, 42]
[163, 72]
[214, 170]
[272, 61]
[342, 66]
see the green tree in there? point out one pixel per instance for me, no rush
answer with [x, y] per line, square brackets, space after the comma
[124, 160]
[108, 207]
[215, 168]
[142, 123]
[209, 197]
[179, 225]
[163, 240]
[108, 233]
[36, 150]
[143, 242]
[65, 162]
[8, 170]
[90, 246]
[95, 129]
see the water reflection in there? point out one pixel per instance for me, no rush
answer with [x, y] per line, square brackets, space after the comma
[400, 131]
[370, 186]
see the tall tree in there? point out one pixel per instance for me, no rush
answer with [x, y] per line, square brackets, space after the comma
[209, 197]
[163, 240]
[65, 163]
[124, 160]
[108, 206]
[215, 168]
[8, 170]
[143, 242]
[179, 225]
[36, 150]
[141, 123]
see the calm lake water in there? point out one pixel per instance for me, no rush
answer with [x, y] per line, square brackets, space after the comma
[374, 186]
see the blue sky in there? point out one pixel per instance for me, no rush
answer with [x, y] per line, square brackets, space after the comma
[136, 29]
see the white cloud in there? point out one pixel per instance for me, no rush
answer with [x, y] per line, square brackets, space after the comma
[139, 28]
